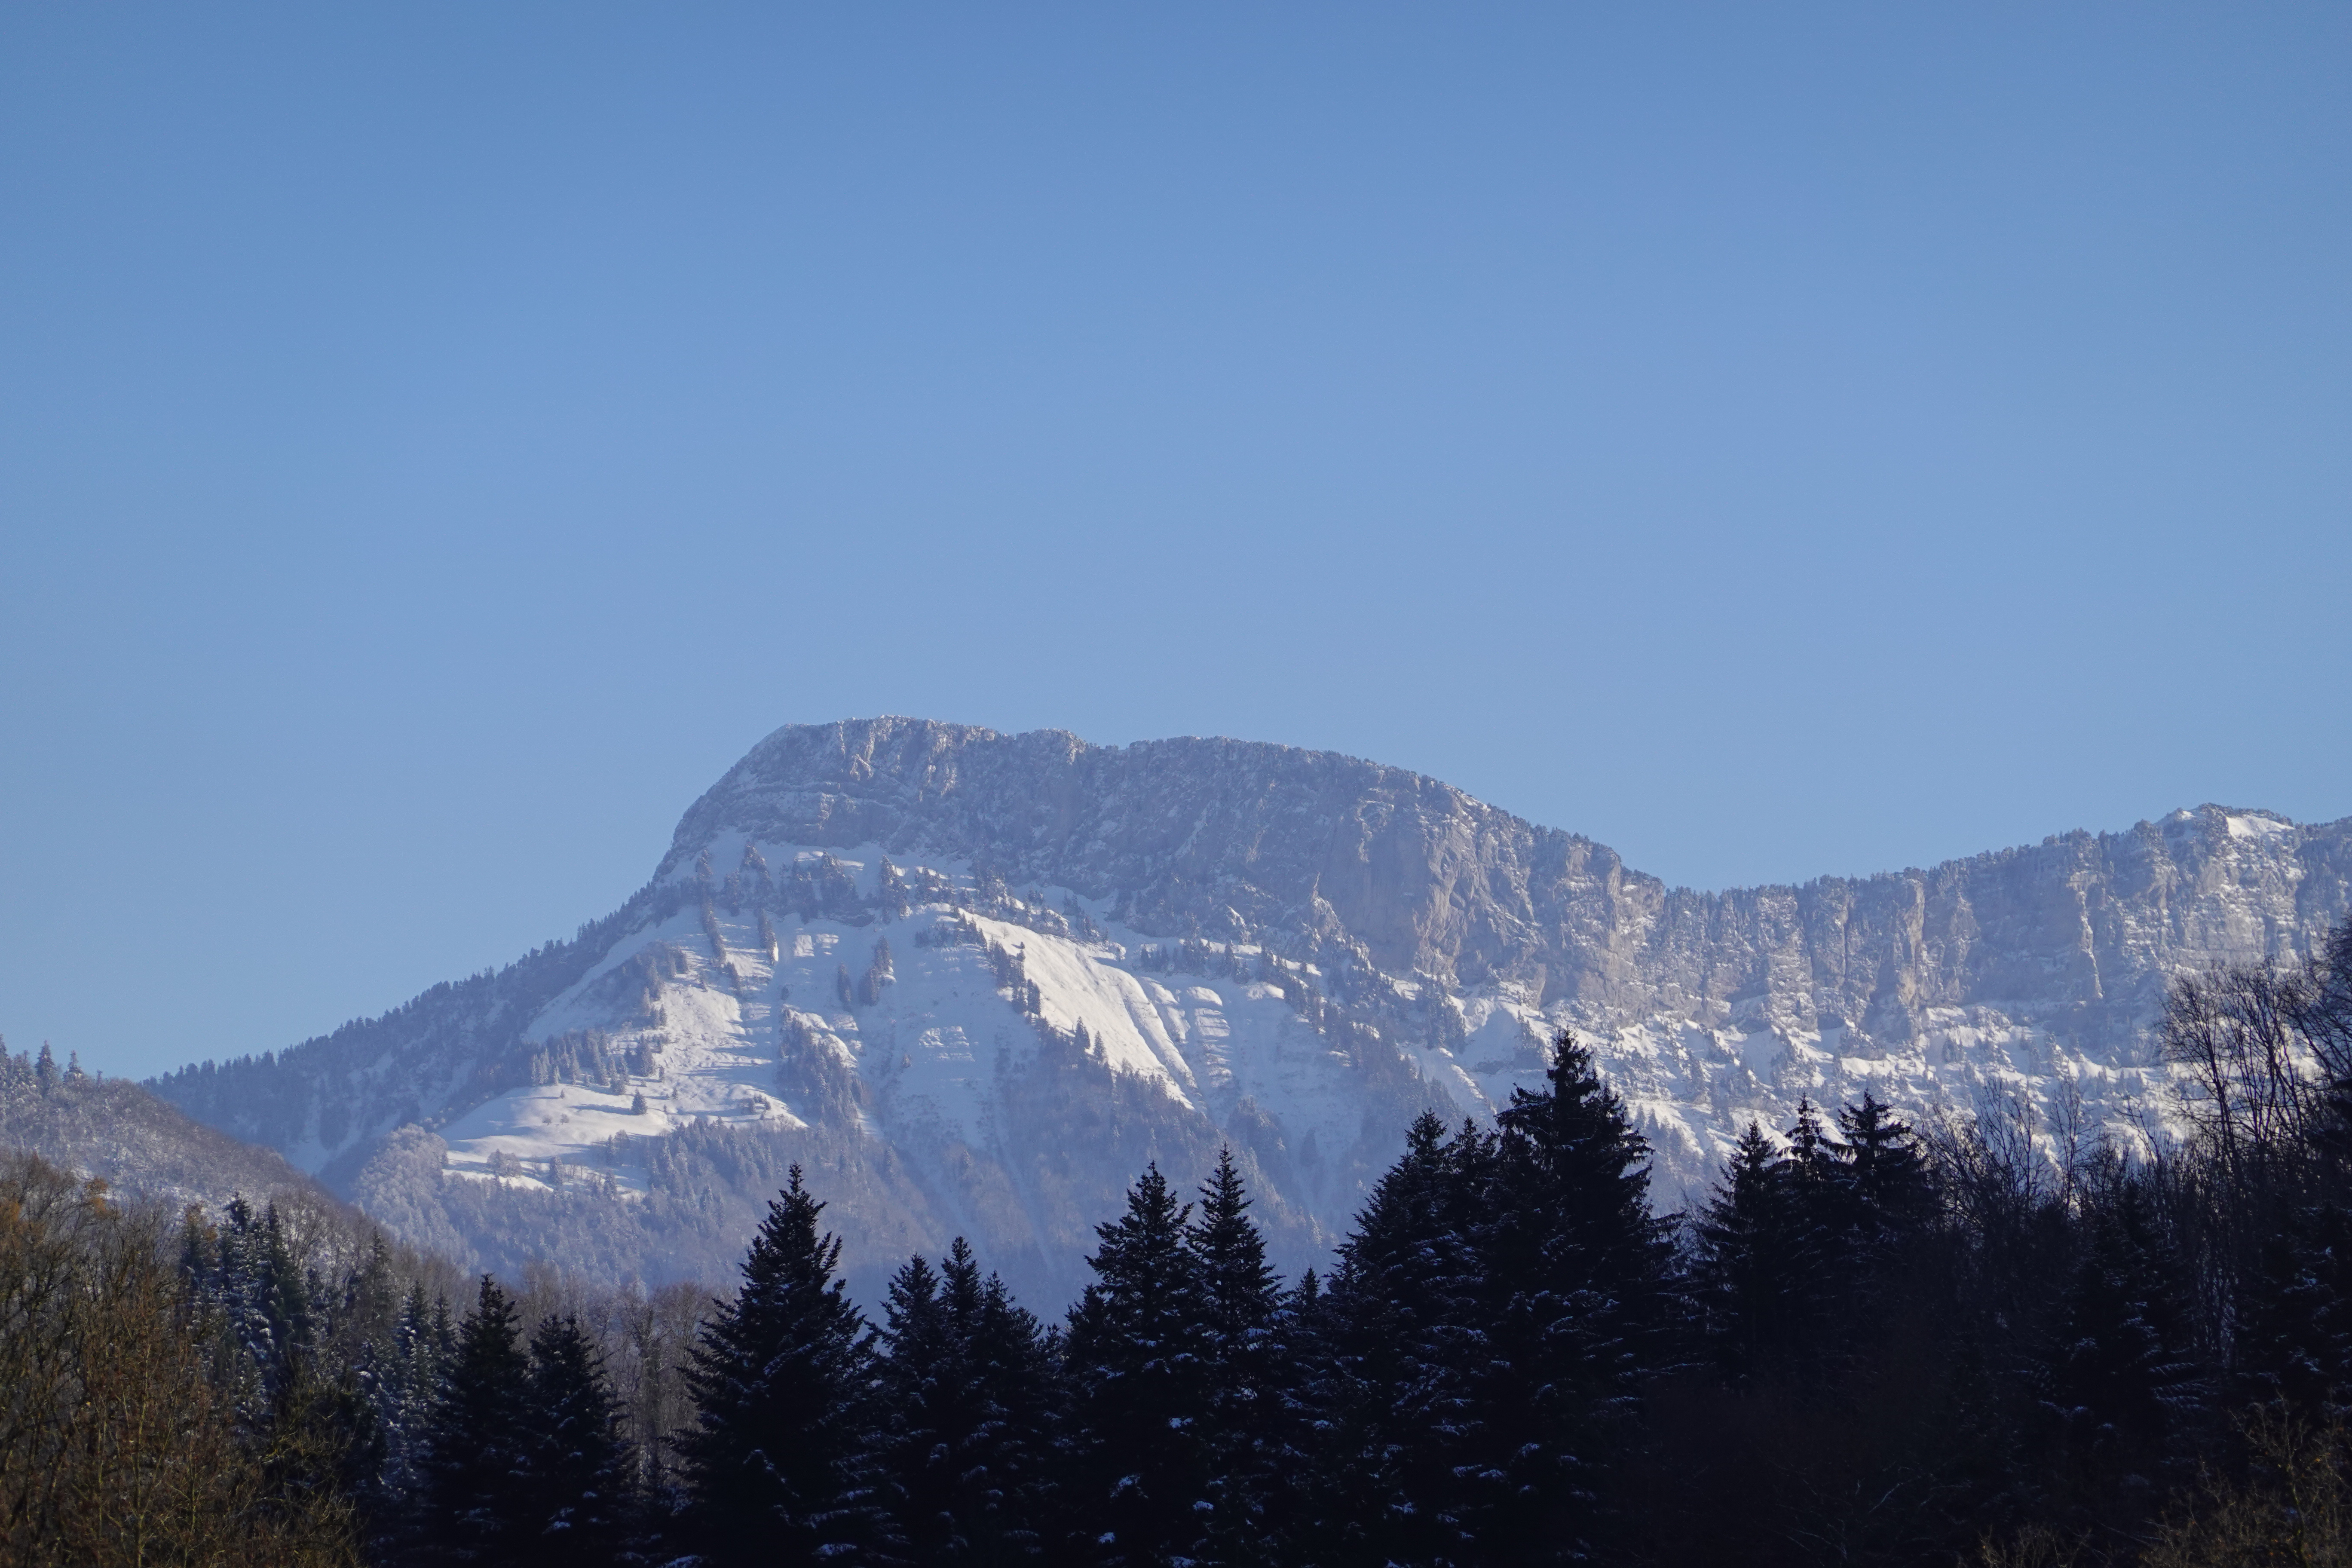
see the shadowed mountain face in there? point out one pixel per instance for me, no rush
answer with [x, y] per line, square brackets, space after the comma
[974, 980]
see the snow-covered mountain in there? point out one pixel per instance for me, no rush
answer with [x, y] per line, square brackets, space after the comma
[974, 980]
[143, 1148]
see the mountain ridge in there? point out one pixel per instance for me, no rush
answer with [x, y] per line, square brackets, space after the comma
[1208, 941]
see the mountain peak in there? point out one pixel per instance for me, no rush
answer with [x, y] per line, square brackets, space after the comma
[981, 978]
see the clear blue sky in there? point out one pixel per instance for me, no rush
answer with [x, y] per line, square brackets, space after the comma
[436, 441]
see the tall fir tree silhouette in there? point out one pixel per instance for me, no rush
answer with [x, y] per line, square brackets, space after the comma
[477, 1464]
[1749, 1274]
[581, 1481]
[1577, 1289]
[779, 1378]
[1010, 1461]
[1137, 1451]
[1887, 1170]
[960, 1396]
[923, 1390]
[1401, 1331]
[2122, 1387]
[1244, 1365]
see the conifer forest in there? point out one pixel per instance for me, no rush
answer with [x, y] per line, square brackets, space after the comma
[1882, 1339]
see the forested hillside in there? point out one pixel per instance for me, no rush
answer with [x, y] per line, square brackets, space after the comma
[1873, 1342]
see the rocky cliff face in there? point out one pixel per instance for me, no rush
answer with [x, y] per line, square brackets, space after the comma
[983, 978]
[1238, 838]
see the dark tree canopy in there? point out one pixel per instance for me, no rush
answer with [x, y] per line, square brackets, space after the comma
[779, 1379]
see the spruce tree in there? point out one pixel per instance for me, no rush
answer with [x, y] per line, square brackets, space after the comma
[409, 1371]
[1578, 1290]
[923, 1393]
[1138, 1461]
[1400, 1333]
[478, 1446]
[1887, 1170]
[1242, 1363]
[1745, 1261]
[1017, 1367]
[2294, 1336]
[1820, 1262]
[581, 1481]
[2122, 1388]
[961, 1397]
[1296, 1451]
[779, 1378]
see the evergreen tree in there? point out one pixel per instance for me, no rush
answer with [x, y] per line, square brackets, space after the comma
[1138, 1461]
[1299, 1435]
[478, 1447]
[778, 1377]
[408, 1372]
[961, 1395]
[2122, 1390]
[580, 1477]
[1398, 1335]
[244, 1278]
[1746, 1258]
[2294, 1342]
[924, 1390]
[1887, 1168]
[1018, 1366]
[1816, 1166]
[1242, 1363]
[1578, 1294]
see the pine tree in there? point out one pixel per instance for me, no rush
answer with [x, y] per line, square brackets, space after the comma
[960, 1395]
[2294, 1337]
[244, 1277]
[580, 1477]
[1745, 1258]
[478, 1447]
[1018, 1374]
[1138, 1459]
[1577, 1286]
[1299, 1436]
[409, 1371]
[2122, 1388]
[778, 1377]
[1398, 1334]
[1888, 1168]
[1242, 1363]
[1885, 1174]
[924, 1393]
[1816, 1260]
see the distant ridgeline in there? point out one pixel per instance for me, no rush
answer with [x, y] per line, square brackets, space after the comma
[979, 980]
[121, 1134]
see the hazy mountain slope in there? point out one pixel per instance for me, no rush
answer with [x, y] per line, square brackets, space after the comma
[974, 980]
[137, 1143]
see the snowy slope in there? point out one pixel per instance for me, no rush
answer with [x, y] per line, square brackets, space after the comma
[142, 1148]
[973, 981]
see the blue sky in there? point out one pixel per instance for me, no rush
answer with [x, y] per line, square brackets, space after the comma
[436, 441]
